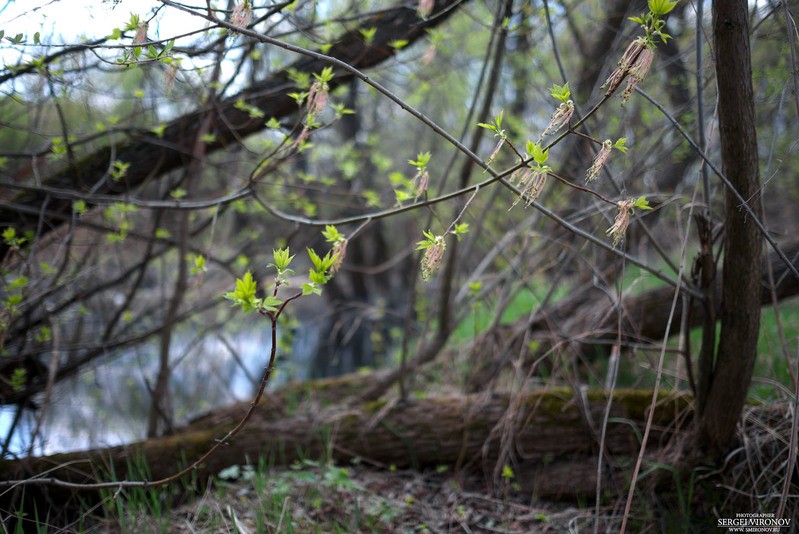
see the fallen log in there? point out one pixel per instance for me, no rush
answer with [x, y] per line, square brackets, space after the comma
[539, 434]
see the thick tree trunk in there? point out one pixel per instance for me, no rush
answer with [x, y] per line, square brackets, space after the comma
[740, 294]
[153, 157]
[550, 434]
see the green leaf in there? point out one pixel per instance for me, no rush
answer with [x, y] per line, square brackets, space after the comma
[661, 7]
[9, 234]
[271, 304]
[318, 277]
[315, 259]
[460, 230]
[244, 294]
[178, 193]
[119, 170]
[299, 97]
[429, 241]
[282, 258]
[642, 204]
[310, 289]
[496, 126]
[332, 235]
[621, 145]
[402, 196]
[560, 92]
[12, 239]
[422, 159]
[368, 34]
[252, 111]
[325, 76]
[341, 110]
[199, 265]
[538, 154]
[321, 265]
[507, 472]
[133, 22]
[159, 130]
[18, 378]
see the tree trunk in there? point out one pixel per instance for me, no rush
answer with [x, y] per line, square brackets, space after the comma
[740, 293]
[550, 434]
[152, 157]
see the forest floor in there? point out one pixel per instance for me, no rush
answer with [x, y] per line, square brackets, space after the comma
[309, 498]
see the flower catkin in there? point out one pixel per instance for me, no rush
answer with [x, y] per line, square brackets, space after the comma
[431, 261]
[496, 150]
[420, 182]
[560, 118]
[599, 161]
[242, 14]
[317, 98]
[638, 71]
[169, 77]
[425, 8]
[622, 221]
[633, 65]
[141, 33]
[340, 252]
[531, 182]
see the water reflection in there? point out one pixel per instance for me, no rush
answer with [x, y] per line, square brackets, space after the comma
[107, 403]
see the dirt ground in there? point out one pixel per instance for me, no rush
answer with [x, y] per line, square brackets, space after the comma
[359, 498]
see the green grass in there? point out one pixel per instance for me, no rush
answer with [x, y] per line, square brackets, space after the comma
[482, 313]
[771, 368]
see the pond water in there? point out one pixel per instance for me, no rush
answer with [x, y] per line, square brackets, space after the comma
[107, 403]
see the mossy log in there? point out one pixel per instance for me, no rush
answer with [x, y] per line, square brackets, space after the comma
[544, 436]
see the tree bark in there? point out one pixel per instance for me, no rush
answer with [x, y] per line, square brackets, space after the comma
[740, 293]
[151, 157]
[548, 428]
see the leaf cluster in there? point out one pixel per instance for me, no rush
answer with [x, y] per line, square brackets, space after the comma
[652, 23]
